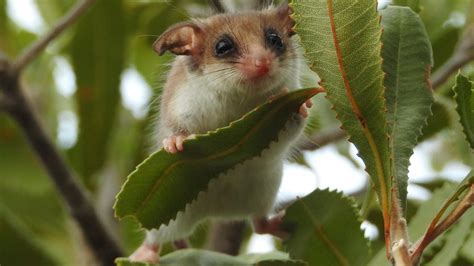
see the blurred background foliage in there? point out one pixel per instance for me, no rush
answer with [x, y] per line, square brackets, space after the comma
[104, 137]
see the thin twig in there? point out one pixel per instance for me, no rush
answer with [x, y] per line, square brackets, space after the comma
[321, 139]
[466, 203]
[37, 47]
[102, 244]
[217, 6]
[463, 54]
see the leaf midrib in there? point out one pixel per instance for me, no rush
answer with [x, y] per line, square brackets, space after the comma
[326, 240]
[211, 157]
[360, 117]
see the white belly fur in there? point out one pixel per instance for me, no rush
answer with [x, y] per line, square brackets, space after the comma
[247, 190]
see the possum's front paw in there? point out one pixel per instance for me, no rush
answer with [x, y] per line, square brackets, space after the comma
[303, 111]
[146, 253]
[174, 143]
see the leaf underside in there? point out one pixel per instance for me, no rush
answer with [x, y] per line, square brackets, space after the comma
[164, 183]
[342, 42]
[407, 63]
[325, 230]
[465, 106]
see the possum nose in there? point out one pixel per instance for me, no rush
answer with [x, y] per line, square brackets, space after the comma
[262, 66]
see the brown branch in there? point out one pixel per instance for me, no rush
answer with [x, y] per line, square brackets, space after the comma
[321, 139]
[466, 203]
[463, 54]
[37, 47]
[14, 101]
[96, 234]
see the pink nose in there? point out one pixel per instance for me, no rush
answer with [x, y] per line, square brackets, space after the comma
[262, 66]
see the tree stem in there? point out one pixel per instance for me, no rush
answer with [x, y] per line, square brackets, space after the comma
[37, 47]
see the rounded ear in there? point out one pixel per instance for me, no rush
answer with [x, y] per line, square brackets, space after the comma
[283, 13]
[181, 39]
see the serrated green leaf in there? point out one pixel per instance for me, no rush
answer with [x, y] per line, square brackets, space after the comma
[325, 230]
[150, 192]
[196, 257]
[440, 119]
[342, 43]
[407, 63]
[465, 106]
[97, 53]
[453, 241]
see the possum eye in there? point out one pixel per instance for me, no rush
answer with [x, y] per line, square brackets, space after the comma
[224, 46]
[273, 39]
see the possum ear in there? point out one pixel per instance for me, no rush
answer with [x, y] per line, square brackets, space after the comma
[181, 39]
[283, 13]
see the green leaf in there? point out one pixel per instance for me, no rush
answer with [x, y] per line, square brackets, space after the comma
[18, 246]
[164, 183]
[342, 43]
[407, 63]
[97, 53]
[444, 44]
[195, 257]
[413, 4]
[453, 241]
[325, 230]
[465, 106]
[440, 119]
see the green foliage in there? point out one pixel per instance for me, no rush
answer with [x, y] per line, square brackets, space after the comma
[151, 191]
[465, 106]
[117, 34]
[413, 4]
[98, 64]
[325, 230]
[407, 64]
[16, 241]
[345, 53]
[196, 257]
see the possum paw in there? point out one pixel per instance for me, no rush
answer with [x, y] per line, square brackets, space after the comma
[174, 143]
[146, 253]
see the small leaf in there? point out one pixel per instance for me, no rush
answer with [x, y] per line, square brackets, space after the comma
[342, 43]
[164, 183]
[97, 53]
[465, 106]
[407, 63]
[325, 230]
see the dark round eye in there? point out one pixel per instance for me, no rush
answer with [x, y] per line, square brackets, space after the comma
[274, 40]
[224, 47]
